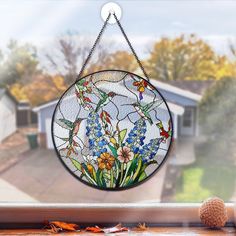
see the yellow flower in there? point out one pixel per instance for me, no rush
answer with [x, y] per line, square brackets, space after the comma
[105, 161]
[90, 168]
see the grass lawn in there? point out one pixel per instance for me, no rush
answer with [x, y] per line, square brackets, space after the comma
[213, 174]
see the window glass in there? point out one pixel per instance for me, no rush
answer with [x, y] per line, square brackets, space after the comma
[191, 58]
[187, 117]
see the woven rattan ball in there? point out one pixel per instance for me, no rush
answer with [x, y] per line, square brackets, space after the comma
[213, 212]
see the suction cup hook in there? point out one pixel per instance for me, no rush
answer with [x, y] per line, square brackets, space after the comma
[112, 8]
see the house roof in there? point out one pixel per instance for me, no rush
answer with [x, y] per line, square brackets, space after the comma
[195, 86]
[44, 105]
[176, 90]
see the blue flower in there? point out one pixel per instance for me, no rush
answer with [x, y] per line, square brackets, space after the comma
[98, 134]
[97, 153]
[97, 143]
[104, 150]
[152, 155]
[102, 143]
[129, 140]
[149, 150]
[141, 151]
[137, 135]
[91, 142]
[135, 149]
[132, 134]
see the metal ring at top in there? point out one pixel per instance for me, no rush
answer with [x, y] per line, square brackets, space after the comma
[111, 8]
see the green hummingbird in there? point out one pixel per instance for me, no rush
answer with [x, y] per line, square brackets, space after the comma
[105, 98]
[144, 110]
[73, 127]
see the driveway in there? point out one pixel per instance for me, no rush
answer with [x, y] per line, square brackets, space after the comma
[11, 153]
[13, 146]
[41, 176]
[184, 153]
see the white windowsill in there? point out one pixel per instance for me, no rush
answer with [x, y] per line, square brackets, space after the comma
[156, 213]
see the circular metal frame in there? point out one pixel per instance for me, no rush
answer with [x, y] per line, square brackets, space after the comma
[108, 188]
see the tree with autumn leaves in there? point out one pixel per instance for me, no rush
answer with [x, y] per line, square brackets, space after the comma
[18, 63]
[181, 58]
[43, 88]
[20, 72]
[186, 58]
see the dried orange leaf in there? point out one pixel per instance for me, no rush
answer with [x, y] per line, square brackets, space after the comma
[57, 226]
[53, 229]
[115, 229]
[94, 229]
[65, 226]
[141, 227]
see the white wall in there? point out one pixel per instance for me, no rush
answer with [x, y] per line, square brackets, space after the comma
[7, 117]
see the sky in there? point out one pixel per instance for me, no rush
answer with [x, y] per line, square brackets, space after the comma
[41, 21]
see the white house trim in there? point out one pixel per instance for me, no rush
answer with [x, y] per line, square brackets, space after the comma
[176, 109]
[40, 107]
[176, 90]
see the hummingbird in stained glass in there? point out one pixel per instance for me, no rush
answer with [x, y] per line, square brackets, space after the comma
[165, 133]
[73, 127]
[144, 110]
[105, 98]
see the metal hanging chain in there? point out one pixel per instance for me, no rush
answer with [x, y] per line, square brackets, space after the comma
[127, 40]
[131, 47]
[94, 45]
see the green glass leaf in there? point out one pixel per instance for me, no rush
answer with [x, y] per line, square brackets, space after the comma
[107, 176]
[80, 82]
[142, 176]
[63, 139]
[76, 164]
[133, 166]
[122, 135]
[112, 178]
[113, 150]
[100, 179]
[126, 173]
[137, 171]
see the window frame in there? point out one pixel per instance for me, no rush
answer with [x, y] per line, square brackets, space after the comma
[104, 213]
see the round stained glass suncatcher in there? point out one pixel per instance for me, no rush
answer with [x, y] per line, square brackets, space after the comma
[112, 129]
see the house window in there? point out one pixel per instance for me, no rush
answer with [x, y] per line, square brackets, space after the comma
[188, 117]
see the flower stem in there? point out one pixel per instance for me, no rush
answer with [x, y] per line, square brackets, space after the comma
[138, 169]
[112, 178]
[122, 172]
[126, 172]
